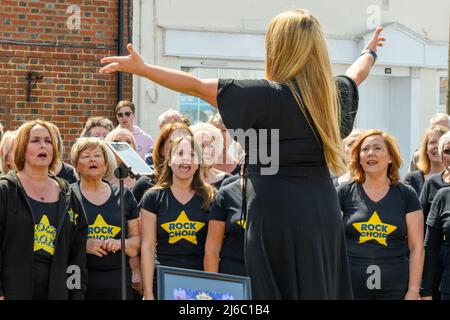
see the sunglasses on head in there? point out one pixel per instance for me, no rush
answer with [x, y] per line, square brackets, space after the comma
[126, 114]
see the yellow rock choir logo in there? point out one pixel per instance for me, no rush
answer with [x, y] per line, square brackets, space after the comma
[182, 228]
[374, 229]
[101, 230]
[44, 236]
[72, 216]
[242, 223]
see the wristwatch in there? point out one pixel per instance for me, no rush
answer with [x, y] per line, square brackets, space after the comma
[372, 53]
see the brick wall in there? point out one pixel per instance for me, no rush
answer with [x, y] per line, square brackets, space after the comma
[34, 36]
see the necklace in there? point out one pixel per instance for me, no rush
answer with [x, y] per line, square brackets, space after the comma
[41, 194]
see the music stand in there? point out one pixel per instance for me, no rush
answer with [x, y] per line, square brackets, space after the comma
[134, 166]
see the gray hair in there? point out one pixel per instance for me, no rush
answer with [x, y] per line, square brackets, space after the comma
[444, 139]
[440, 116]
[164, 118]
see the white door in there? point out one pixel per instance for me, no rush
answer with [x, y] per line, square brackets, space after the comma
[385, 104]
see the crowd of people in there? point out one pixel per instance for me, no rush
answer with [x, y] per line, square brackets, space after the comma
[335, 222]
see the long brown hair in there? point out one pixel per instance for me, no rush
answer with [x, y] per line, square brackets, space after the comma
[297, 55]
[165, 179]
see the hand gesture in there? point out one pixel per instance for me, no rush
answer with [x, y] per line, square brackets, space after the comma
[112, 245]
[133, 63]
[95, 247]
[376, 40]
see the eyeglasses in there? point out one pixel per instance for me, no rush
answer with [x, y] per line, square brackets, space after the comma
[446, 151]
[126, 114]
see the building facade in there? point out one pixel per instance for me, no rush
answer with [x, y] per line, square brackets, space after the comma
[60, 42]
[212, 38]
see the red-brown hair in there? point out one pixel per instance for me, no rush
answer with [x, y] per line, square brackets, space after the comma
[393, 170]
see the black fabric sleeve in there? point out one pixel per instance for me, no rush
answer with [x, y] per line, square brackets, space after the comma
[411, 199]
[218, 211]
[149, 201]
[432, 247]
[341, 191]
[424, 194]
[77, 255]
[142, 185]
[434, 216]
[242, 102]
[349, 99]
[132, 212]
[3, 202]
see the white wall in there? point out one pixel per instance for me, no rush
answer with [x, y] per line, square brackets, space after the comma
[343, 21]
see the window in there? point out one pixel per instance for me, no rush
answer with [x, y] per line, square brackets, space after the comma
[198, 110]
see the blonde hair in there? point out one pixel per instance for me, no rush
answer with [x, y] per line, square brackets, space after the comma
[424, 164]
[297, 54]
[393, 170]
[89, 144]
[112, 136]
[215, 133]
[23, 137]
[6, 148]
[165, 179]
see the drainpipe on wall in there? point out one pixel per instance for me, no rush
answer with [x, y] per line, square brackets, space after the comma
[120, 49]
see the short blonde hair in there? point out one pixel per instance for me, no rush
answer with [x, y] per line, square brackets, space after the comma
[23, 137]
[393, 171]
[6, 148]
[89, 144]
[112, 136]
[424, 164]
[215, 133]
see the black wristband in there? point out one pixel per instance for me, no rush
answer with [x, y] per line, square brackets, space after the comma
[372, 53]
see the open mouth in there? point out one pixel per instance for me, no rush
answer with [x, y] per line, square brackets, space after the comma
[185, 168]
[372, 162]
[42, 155]
[93, 167]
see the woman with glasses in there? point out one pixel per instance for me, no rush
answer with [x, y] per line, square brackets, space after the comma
[125, 112]
[430, 188]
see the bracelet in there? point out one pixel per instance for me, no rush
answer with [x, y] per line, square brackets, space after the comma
[372, 53]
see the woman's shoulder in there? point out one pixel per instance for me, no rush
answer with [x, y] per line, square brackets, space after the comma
[347, 186]
[443, 194]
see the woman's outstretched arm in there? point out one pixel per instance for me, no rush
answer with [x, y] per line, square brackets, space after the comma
[176, 80]
[360, 69]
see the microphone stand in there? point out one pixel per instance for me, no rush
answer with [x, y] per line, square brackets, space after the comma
[122, 173]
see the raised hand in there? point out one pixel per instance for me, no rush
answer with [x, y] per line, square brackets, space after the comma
[376, 40]
[133, 63]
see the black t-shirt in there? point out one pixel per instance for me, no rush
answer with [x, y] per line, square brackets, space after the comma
[376, 232]
[181, 228]
[437, 243]
[416, 180]
[218, 184]
[67, 173]
[227, 207]
[46, 220]
[430, 187]
[142, 185]
[104, 223]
